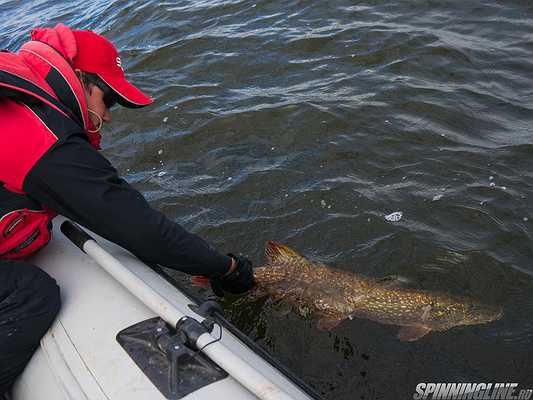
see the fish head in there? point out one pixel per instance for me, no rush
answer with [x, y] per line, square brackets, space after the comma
[477, 313]
[462, 311]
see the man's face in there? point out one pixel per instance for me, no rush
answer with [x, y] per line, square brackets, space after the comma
[95, 103]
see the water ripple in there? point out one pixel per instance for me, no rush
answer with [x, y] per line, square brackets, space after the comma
[307, 123]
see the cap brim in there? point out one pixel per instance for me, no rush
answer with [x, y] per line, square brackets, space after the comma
[128, 95]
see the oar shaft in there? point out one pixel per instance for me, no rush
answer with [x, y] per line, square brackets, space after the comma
[235, 366]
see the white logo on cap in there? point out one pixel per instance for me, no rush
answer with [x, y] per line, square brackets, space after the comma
[119, 63]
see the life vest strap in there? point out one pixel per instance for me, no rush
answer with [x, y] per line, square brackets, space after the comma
[11, 83]
[61, 78]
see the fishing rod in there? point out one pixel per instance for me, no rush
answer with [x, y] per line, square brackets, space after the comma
[201, 339]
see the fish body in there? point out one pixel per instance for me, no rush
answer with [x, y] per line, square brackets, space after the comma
[332, 296]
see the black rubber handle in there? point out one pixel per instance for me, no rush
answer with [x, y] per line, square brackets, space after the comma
[76, 235]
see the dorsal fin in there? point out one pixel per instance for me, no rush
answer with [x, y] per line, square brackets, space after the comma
[277, 253]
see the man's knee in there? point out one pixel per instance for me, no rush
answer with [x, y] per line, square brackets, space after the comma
[43, 297]
[29, 298]
[45, 289]
[29, 302]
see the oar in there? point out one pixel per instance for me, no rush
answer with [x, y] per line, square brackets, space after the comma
[235, 366]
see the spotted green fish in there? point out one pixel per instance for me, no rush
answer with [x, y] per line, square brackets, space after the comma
[333, 296]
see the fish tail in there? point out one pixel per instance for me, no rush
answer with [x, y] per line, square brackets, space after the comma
[276, 252]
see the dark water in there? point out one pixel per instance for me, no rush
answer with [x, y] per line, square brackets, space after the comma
[307, 122]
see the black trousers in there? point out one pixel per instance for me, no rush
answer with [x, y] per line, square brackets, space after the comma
[29, 302]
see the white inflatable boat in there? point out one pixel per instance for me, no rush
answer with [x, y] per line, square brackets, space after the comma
[126, 333]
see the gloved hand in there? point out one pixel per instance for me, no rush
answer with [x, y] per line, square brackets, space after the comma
[238, 281]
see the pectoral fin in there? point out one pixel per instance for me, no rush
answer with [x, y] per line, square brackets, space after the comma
[200, 281]
[325, 324]
[412, 333]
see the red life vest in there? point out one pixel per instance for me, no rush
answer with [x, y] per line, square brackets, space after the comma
[42, 103]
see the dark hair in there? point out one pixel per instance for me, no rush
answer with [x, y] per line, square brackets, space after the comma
[94, 79]
[90, 78]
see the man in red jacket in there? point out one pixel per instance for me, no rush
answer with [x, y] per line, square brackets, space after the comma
[55, 95]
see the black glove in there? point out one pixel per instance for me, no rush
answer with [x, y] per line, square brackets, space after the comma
[239, 281]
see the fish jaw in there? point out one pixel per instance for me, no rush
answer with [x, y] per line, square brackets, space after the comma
[447, 312]
[475, 314]
[481, 314]
[423, 310]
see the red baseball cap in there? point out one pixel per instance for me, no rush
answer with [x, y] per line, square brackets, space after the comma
[97, 55]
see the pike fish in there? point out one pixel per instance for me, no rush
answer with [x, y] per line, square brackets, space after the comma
[331, 295]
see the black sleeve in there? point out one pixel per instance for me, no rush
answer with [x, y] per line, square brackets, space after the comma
[76, 181]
